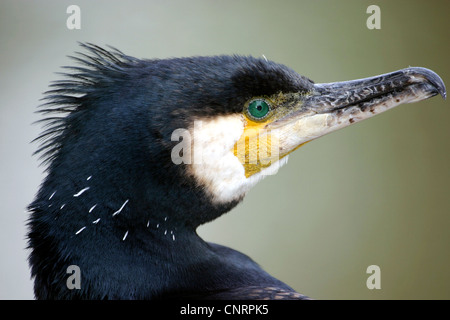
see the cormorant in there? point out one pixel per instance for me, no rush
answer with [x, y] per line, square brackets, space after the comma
[139, 153]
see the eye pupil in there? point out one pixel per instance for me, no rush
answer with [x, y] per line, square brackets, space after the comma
[258, 109]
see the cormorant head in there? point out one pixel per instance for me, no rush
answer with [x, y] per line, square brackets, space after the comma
[141, 152]
[186, 138]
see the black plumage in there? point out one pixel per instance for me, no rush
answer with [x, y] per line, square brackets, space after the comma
[114, 204]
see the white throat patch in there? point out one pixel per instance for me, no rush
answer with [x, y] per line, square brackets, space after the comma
[214, 166]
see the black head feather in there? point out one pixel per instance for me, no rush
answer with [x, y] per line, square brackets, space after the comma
[182, 87]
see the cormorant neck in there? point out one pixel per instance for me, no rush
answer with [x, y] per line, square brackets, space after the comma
[112, 241]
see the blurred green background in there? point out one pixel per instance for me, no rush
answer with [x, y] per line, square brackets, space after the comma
[374, 193]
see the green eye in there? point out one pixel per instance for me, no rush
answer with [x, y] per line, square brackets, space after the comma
[258, 109]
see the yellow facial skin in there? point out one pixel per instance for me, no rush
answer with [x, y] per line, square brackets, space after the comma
[254, 148]
[260, 147]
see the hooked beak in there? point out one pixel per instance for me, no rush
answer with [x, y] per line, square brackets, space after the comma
[332, 106]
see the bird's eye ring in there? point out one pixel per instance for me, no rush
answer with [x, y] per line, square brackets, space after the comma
[258, 109]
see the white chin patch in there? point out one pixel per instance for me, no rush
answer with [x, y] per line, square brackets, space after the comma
[215, 167]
